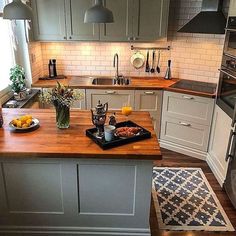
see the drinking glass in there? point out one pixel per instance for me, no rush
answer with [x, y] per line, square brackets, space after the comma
[126, 110]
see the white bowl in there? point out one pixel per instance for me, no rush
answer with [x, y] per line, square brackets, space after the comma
[138, 60]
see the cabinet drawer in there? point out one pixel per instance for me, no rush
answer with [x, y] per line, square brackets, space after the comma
[193, 108]
[185, 133]
[115, 98]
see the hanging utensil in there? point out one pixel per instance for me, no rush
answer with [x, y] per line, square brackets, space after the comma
[158, 62]
[153, 62]
[147, 63]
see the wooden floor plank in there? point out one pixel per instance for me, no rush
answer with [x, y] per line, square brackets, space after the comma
[173, 159]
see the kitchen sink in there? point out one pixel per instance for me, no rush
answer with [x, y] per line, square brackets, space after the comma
[111, 81]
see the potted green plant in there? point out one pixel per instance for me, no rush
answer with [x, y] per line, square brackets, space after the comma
[17, 78]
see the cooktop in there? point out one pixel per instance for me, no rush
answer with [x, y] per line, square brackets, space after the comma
[196, 86]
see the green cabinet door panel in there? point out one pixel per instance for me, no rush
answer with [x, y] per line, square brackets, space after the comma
[49, 20]
[76, 28]
[150, 19]
[134, 20]
[121, 29]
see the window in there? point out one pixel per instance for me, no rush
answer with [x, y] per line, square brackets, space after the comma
[7, 58]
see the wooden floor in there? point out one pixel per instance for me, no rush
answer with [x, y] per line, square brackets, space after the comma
[172, 159]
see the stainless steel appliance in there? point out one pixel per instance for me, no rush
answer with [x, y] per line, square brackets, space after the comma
[226, 98]
[230, 181]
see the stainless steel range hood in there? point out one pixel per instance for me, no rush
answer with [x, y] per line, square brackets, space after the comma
[210, 20]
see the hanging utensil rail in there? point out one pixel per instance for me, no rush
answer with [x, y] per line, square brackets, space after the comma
[151, 48]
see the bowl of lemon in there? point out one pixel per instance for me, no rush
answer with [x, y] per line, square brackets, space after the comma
[24, 123]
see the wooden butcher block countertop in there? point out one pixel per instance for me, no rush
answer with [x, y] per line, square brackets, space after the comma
[137, 83]
[50, 142]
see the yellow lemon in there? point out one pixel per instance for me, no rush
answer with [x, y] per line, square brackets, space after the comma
[19, 124]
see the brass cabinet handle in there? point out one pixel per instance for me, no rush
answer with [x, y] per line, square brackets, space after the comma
[149, 92]
[185, 124]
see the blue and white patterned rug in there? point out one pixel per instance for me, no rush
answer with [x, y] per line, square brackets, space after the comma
[184, 200]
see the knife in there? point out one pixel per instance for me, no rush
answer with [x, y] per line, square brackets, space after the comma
[147, 63]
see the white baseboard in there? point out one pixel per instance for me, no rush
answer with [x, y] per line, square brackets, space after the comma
[183, 150]
[216, 167]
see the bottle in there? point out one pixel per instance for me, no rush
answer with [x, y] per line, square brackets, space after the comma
[1, 118]
[51, 69]
[168, 71]
[54, 61]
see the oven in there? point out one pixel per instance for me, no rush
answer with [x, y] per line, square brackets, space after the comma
[226, 96]
[230, 37]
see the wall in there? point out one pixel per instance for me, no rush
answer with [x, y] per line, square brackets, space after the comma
[194, 56]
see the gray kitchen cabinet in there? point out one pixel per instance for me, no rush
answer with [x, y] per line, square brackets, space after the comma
[76, 28]
[115, 98]
[219, 139]
[186, 123]
[49, 20]
[150, 19]
[143, 20]
[59, 20]
[121, 29]
[57, 196]
[150, 101]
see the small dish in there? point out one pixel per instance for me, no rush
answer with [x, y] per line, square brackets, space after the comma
[34, 125]
[126, 130]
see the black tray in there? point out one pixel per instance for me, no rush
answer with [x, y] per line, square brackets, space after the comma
[144, 134]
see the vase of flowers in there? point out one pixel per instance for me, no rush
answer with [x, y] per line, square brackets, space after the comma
[62, 98]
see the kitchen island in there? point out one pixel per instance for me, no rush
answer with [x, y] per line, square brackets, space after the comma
[58, 182]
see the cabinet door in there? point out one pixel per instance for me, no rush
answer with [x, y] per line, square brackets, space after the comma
[115, 98]
[76, 28]
[151, 101]
[219, 140]
[121, 29]
[151, 19]
[49, 20]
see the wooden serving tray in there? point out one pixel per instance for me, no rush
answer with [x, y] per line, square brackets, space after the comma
[117, 141]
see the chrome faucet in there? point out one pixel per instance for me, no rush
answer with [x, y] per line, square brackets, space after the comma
[116, 64]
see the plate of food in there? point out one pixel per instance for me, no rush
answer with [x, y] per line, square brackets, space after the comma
[24, 123]
[127, 132]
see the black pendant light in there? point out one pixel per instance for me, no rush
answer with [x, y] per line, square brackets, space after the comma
[98, 14]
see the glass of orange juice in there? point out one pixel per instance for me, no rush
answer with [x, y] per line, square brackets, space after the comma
[126, 110]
